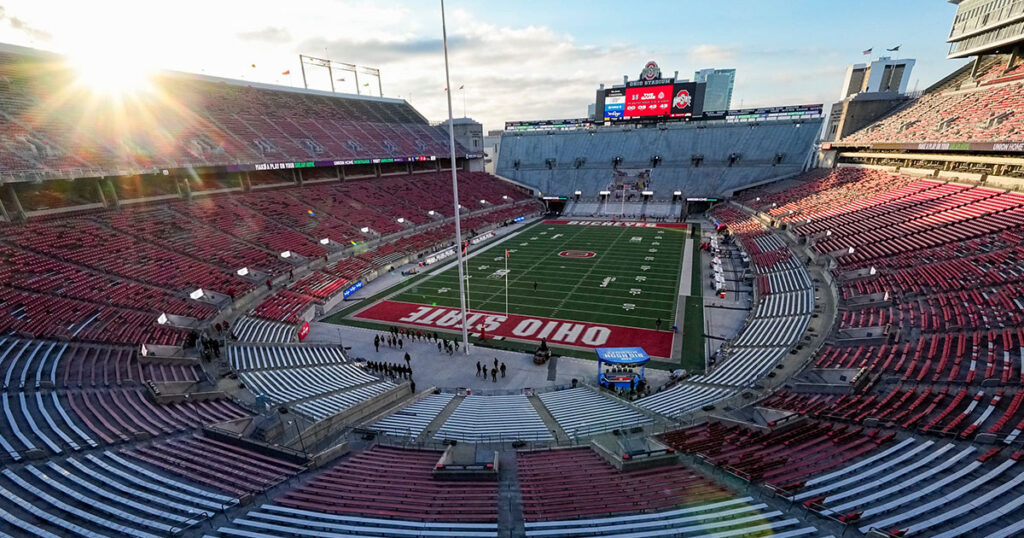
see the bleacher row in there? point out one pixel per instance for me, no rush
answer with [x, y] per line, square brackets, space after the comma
[959, 413]
[61, 397]
[412, 420]
[744, 366]
[777, 458]
[951, 303]
[579, 413]
[937, 266]
[203, 126]
[910, 487]
[923, 487]
[318, 381]
[230, 468]
[106, 276]
[571, 492]
[266, 357]
[156, 490]
[785, 305]
[683, 398]
[494, 418]
[249, 329]
[317, 391]
[35, 364]
[961, 109]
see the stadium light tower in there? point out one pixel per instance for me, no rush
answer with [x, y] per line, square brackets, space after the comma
[455, 183]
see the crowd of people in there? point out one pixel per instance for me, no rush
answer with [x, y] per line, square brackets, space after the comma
[638, 388]
[391, 370]
[397, 336]
[207, 346]
[481, 369]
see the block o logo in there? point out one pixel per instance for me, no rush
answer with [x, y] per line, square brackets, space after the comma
[577, 254]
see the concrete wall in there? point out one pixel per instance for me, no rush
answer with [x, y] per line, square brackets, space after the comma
[857, 114]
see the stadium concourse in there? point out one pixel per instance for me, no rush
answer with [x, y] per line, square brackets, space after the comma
[237, 315]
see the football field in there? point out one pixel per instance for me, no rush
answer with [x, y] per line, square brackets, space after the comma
[572, 283]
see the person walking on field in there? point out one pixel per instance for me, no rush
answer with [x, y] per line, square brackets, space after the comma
[478, 368]
[485, 372]
[502, 369]
[657, 324]
[534, 285]
[495, 363]
[376, 344]
[407, 358]
[494, 375]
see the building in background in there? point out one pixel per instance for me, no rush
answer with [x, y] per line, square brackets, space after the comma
[869, 92]
[987, 27]
[883, 75]
[492, 144]
[718, 89]
[470, 134]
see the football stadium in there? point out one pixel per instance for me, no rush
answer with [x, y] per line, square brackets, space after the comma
[236, 307]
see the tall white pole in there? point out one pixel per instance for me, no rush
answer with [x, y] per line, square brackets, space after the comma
[455, 183]
[506, 284]
[469, 298]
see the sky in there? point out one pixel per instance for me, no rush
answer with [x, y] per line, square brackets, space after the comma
[518, 60]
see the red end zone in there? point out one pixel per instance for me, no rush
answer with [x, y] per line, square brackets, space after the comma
[556, 331]
[675, 225]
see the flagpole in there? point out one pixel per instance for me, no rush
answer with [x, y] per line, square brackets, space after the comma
[463, 284]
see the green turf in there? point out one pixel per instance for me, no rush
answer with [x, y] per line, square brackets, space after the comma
[570, 288]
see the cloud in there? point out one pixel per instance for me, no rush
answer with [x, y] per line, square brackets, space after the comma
[378, 51]
[24, 27]
[270, 34]
[509, 73]
[712, 54]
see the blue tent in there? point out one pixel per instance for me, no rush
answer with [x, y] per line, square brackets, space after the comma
[625, 366]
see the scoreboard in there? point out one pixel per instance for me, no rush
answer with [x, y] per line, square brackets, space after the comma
[648, 101]
[652, 100]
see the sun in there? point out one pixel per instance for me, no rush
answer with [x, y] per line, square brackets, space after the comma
[110, 71]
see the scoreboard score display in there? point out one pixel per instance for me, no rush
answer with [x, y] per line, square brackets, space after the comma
[650, 102]
[652, 98]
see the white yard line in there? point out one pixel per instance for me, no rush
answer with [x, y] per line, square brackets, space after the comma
[587, 274]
